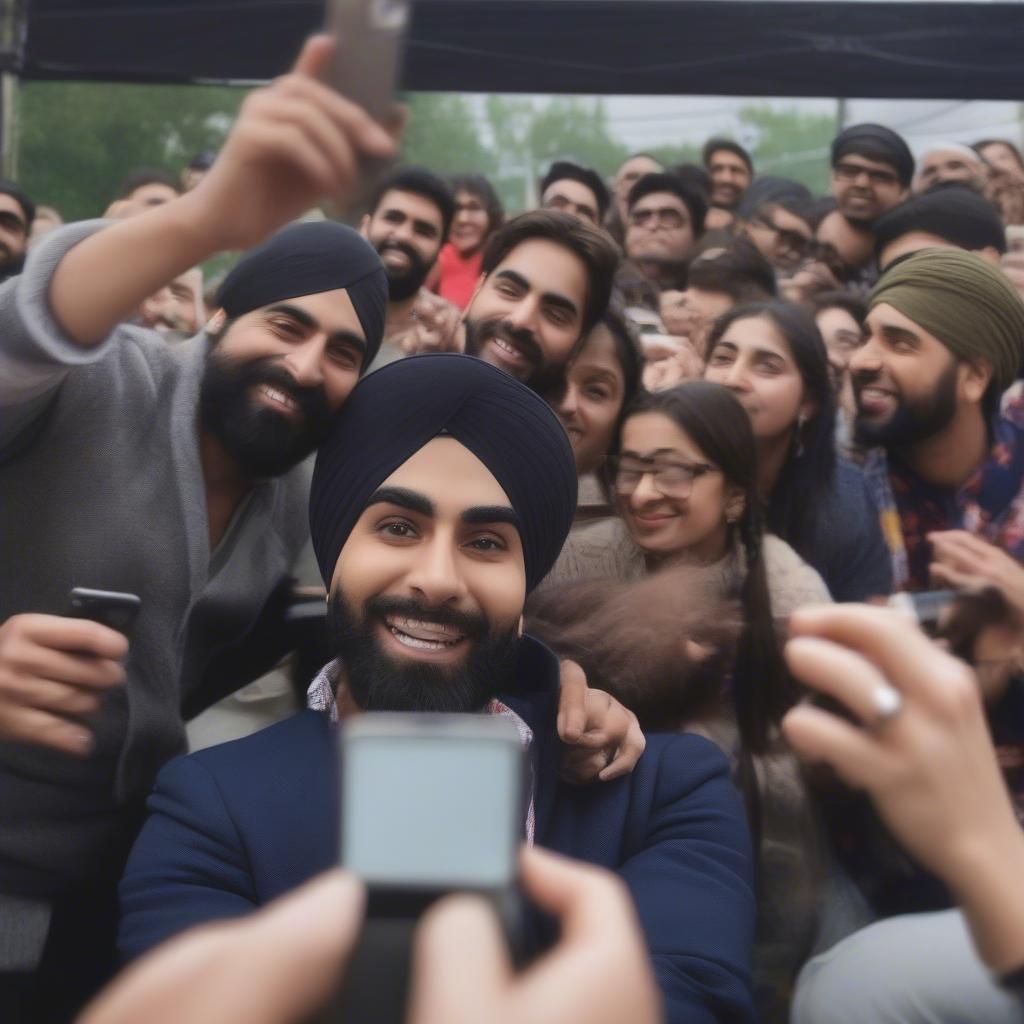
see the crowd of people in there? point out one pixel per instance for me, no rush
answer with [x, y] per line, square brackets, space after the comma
[627, 469]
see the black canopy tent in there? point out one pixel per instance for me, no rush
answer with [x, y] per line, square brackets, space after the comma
[854, 48]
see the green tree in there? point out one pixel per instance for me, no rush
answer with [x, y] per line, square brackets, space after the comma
[78, 139]
[790, 143]
[671, 155]
[444, 134]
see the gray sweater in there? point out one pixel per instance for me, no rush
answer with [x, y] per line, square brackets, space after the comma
[102, 487]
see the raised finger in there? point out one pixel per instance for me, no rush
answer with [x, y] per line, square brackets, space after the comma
[884, 637]
[460, 966]
[315, 56]
[583, 897]
[351, 119]
[817, 735]
[572, 698]
[322, 134]
[629, 753]
[838, 672]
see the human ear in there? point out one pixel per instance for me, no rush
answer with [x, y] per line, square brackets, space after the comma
[975, 377]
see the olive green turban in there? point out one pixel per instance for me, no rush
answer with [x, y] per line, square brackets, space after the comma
[965, 302]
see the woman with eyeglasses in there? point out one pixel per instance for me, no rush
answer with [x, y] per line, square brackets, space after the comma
[770, 355]
[684, 480]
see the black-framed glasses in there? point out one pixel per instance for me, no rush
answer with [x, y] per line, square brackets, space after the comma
[664, 216]
[851, 172]
[671, 479]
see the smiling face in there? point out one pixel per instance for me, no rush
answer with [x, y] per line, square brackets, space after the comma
[945, 165]
[527, 314]
[865, 188]
[406, 230]
[276, 375]
[754, 361]
[592, 401]
[730, 178]
[428, 591]
[689, 521]
[470, 224]
[907, 385]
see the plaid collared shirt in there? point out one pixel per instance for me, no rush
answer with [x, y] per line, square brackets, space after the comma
[321, 697]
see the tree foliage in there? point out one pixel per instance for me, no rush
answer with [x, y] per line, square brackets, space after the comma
[78, 140]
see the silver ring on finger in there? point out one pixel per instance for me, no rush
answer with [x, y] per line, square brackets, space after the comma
[887, 703]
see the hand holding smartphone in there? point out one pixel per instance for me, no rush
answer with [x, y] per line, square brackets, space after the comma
[370, 38]
[430, 804]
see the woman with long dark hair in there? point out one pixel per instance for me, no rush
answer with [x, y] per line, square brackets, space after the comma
[478, 214]
[685, 484]
[684, 476]
[601, 381]
[771, 356]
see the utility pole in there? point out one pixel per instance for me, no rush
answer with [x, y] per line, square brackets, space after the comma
[13, 26]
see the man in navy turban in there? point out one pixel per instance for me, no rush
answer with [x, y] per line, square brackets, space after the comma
[441, 497]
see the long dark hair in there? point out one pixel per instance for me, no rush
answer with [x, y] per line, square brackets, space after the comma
[477, 185]
[794, 506]
[719, 426]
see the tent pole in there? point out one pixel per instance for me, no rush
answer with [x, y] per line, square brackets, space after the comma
[13, 28]
[9, 124]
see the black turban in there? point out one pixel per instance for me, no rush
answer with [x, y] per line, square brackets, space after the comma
[875, 142]
[307, 258]
[955, 213]
[399, 408]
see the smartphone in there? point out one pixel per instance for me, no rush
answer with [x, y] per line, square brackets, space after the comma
[371, 43]
[432, 802]
[118, 611]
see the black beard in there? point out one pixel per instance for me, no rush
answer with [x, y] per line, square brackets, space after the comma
[378, 682]
[263, 443]
[404, 284]
[544, 377]
[911, 422]
[11, 263]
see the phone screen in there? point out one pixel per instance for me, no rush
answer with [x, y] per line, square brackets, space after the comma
[436, 812]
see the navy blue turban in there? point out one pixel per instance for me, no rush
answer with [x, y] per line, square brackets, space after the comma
[307, 258]
[399, 408]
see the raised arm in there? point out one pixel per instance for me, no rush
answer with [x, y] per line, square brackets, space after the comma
[295, 142]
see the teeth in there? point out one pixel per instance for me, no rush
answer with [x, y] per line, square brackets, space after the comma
[507, 347]
[277, 396]
[423, 645]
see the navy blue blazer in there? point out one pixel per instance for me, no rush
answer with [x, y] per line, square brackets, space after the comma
[234, 826]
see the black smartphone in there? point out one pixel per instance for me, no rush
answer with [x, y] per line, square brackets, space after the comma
[118, 611]
[371, 42]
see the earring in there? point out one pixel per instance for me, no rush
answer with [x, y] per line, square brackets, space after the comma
[801, 422]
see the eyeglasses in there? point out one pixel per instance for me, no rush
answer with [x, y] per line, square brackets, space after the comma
[665, 217]
[792, 240]
[851, 172]
[671, 479]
